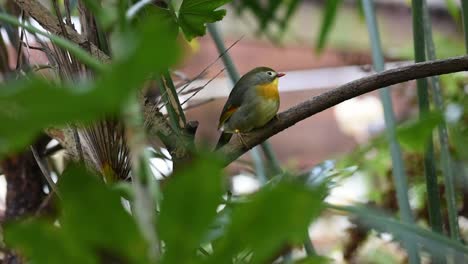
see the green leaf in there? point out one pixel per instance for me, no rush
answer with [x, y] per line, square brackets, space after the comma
[93, 225]
[453, 9]
[189, 208]
[167, 17]
[435, 243]
[270, 13]
[194, 14]
[331, 9]
[415, 135]
[87, 206]
[256, 9]
[276, 216]
[293, 5]
[105, 16]
[314, 260]
[30, 105]
[44, 243]
[360, 10]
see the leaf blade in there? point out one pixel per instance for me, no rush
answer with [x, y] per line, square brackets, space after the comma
[194, 14]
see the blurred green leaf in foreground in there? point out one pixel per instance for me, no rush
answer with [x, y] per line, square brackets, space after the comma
[262, 224]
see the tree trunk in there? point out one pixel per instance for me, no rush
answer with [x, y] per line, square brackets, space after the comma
[24, 185]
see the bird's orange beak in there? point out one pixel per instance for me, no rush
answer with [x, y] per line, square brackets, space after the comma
[280, 74]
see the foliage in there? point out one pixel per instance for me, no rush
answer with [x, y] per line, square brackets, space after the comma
[329, 16]
[197, 220]
[194, 14]
[415, 134]
[86, 234]
[272, 12]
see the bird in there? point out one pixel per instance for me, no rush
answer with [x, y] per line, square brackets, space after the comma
[252, 103]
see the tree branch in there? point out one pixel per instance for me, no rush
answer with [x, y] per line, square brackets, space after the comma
[319, 103]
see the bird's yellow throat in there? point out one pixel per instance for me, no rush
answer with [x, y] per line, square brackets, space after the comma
[269, 90]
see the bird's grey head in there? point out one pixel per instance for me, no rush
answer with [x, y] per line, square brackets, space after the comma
[262, 75]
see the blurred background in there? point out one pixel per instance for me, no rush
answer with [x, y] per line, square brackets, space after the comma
[346, 57]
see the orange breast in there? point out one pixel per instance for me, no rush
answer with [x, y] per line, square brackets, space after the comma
[269, 90]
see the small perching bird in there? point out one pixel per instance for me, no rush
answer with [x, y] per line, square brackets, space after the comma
[252, 103]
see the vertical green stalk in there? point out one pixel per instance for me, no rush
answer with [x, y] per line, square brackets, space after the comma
[435, 217]
[465, 21]
[145, 185]
[271, 158]
[309, 247]
[399, 175]
[171, 100]
[259, 166]
[174, 99]
[447, 169]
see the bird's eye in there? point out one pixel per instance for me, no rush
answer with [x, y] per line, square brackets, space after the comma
[270, 73]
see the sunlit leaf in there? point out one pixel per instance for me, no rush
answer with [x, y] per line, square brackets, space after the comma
[194, 14]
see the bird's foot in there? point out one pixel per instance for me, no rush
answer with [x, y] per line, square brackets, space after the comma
[241, 138]
[278, 119]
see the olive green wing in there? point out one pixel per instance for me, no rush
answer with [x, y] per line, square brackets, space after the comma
[233, 102]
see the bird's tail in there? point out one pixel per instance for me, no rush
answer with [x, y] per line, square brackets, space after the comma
[223, 139]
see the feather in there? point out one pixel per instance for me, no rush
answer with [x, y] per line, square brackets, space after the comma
[226, 115]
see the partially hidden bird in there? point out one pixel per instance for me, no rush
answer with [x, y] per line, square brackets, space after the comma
[252, 103]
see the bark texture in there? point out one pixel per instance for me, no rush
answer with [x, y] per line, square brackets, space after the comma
[24, 185]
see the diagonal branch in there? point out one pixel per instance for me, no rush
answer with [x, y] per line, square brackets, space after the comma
[319, 103]
[49, 22]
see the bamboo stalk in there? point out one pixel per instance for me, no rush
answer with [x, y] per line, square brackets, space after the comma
[447, 169]
[464, 4]
[433, 200]
[399, 175]
[174, 108]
